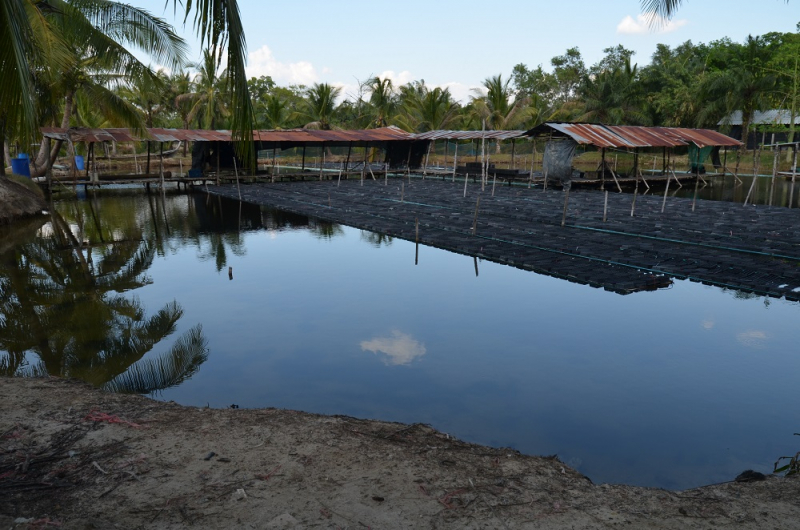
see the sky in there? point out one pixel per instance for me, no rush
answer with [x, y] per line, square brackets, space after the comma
[458, 44]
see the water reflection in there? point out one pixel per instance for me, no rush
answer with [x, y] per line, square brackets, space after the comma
[64, 311]
[398, 348]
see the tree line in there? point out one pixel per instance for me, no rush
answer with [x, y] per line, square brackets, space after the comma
[93, 81]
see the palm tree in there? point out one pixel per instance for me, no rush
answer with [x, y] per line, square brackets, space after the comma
[209, 97]
[742, 85]
[272, 112]
[426, 109]
[94, 61]
[382, 100]
[320, 106]
[30, 44]
[613, 97]
[496, 106]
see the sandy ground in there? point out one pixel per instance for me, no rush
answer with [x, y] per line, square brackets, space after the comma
[75, 457]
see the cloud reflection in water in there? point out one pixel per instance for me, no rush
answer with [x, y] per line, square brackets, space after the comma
[398, 348]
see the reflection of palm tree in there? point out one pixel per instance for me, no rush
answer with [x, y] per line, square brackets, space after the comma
[376, 239]
[324, 229]
[60, 300]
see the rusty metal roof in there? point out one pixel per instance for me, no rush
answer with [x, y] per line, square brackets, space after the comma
[467, 135]
[296, 136]
[634, 136]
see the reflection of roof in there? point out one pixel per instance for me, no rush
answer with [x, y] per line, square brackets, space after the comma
[761, 117]
[632, 136]
[295, 136]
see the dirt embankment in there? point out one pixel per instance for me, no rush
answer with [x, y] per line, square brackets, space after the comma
[75, 457]
[18, 201]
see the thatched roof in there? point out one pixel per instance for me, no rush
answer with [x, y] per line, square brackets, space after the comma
[18, 201]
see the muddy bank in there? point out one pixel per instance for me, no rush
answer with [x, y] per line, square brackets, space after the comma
[18, 201]
[78, 457]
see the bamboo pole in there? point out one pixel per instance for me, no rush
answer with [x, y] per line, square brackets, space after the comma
[774, 173]
[236, 172]
[475, 220]
[666, 190]
[605, 206]
[794, 174]
[455, 161]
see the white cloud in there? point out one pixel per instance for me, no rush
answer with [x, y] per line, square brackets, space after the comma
[460, 91]
[753, 338]
[263, 62]
[642, 25]
[399, 348]
[398, 79]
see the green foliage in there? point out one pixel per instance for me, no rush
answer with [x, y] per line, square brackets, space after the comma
[791, 467]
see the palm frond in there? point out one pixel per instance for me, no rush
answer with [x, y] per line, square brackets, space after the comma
[168, 370]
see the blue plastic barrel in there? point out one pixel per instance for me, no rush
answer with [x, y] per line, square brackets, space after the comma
[21, 167]
[79, 163]
[23, 155]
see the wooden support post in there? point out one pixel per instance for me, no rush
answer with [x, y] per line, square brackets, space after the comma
[664, 162]
[274, 160]
[605, 206]
[347, 160]
[147, 170]
[427, 157]
[455, 161]
[756, 164]
[322, 165]
[603, 167]
[635, 194]
[303, 163]
[483, 155]
[544, 188]
[475, 260]
[236, 172]
[566, 204]
[494, 182]
[794, 174]
[161, 164]
[774, 173]
[475, 219]
[217, 149]
[466, 177]
[614, 174]
[696, 187]
[408, 163]
[666, 190]
[339, 179]
[725, 160]
[533, 162]
[513, 153]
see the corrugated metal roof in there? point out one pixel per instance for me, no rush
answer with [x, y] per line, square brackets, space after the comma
[300, 136]
[633, 136]
[468, 135]
[761, 117]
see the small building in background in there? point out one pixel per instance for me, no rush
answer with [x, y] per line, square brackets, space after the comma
[767, 128]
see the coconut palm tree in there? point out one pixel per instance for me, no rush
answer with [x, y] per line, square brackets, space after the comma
[382, 100]
[426, 109]
[210, 94]
[613, 97]
[30, 43]
[320, 106]
[743, 85]
[496, 105]
[272, 112]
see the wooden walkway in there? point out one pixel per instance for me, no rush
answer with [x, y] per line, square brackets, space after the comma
[754, 249]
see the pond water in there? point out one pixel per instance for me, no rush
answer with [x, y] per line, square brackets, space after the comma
[674, 388]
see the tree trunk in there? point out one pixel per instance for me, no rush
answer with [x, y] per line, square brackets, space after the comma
[44, 159]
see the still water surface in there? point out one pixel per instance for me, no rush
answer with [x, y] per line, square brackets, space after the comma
[674, 388]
